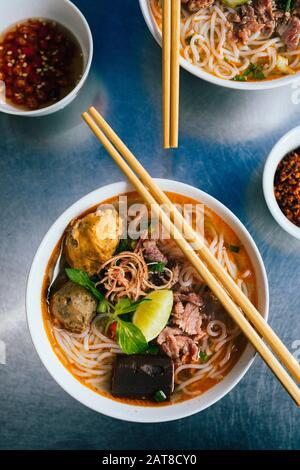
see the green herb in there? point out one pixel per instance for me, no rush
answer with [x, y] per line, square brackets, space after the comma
[160, 396]
[124, 245]
[82, 279]
[203, 356]
[128, 306]
[103, 306]
[157, 267]
[130, 338]
[133, 244]
[234, 248]
[239, 78]
[288, 5]
[252, 71]
[258, 73]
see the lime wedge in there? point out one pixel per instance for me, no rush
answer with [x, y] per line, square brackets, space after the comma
[151, 317]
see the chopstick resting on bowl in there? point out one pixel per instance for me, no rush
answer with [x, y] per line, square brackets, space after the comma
[171, 71]
[231, 297]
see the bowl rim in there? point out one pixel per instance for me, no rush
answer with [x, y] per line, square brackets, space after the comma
[282, 147]
[194, 70]
[66, 380]
[59, 105]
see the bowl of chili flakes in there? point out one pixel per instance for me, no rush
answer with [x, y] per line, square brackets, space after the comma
[281, 182]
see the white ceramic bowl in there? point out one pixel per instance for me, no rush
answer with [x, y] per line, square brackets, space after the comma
[65, 13]
[262, 85]
[286, 144]
[60, 373]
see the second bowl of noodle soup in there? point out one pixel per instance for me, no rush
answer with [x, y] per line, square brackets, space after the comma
[207, 50]
[82, 362]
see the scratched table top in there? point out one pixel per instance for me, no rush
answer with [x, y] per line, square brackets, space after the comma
[47, 164]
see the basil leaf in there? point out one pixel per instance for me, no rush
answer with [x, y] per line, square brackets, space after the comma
[82, 279]
[127, 306]
[157, 267]
[130, 338]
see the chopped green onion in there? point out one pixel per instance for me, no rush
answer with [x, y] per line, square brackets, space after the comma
[133, 244]
[288, 5]
[253, 71]
[157, 267]
[234, 248]
[239, 78]
[203, 356]
[160, 396]
[102, 306]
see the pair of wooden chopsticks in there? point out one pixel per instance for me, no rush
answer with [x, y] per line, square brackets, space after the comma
[218, 280]
[170, 47]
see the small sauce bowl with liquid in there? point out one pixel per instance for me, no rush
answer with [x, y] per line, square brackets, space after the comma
[46, 51]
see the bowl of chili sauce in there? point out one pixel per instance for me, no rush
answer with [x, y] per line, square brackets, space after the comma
[281, 182]
[45, 56]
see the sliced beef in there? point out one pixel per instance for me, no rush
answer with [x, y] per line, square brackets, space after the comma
[188, 319]
[265, 16]
[289, 31]
[244, 23]
[248, 19]
[189, 297]
[152, 253]
[166, 332]
[195, 5]
[176, 271]
[177, 345]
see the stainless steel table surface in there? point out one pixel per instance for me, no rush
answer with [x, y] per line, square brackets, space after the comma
[47, 164]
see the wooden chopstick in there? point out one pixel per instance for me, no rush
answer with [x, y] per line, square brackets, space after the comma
[175, 71]
[232, 288]
[171, 71]
[166, 48]
[198, 264]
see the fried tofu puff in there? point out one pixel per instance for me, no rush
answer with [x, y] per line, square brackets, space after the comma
[93, 239]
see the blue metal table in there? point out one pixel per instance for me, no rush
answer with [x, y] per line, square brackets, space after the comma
[47, 164]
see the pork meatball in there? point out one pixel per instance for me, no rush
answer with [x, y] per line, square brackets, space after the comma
[93, 239]
[74, 307]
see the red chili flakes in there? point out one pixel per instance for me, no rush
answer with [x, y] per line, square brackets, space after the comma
[40, 63]
[287, 186]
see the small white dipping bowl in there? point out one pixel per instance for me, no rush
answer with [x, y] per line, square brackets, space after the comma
[198, 72]
[65, 13]
[66, 380]
[287, 143]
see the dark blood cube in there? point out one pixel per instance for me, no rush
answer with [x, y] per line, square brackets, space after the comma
[141, 377]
